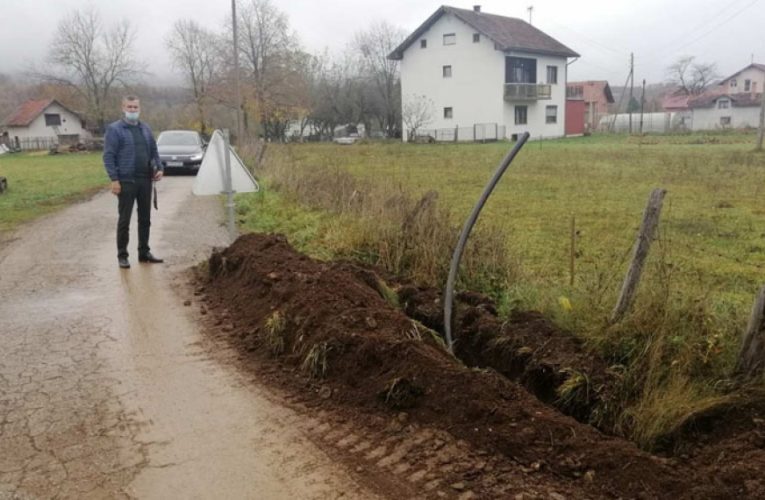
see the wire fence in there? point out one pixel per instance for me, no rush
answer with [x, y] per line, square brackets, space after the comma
[29, 143]
[479, 132]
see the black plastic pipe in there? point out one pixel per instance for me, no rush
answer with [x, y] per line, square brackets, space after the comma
[449, 294]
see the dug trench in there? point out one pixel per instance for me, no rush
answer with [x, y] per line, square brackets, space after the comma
[366, 346]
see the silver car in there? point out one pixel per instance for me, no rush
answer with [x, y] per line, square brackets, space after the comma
[181, 150]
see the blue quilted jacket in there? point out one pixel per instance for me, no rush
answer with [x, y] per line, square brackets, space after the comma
[119, 151]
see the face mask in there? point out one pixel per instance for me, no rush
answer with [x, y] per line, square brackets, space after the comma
[131, 116]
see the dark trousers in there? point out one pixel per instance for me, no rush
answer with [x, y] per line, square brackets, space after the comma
[134, 192]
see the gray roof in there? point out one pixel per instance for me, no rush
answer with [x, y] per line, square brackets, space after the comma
[739, 100]
[508, 33]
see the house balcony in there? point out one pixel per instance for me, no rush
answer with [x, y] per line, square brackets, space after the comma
[527, 91]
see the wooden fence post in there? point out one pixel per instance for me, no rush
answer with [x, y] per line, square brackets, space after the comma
[640, 253]
[572, 251]
[751, 357]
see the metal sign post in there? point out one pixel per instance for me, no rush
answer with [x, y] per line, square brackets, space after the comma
[229, 190]
[223, 172]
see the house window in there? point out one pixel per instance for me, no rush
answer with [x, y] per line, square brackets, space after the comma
[723, 104]
[747, 85]
[551, 114]
[521, 115]
[733, 83]
[450, 39]
[575, 92]
[552, 74]
[448, 113]
[423, 44]
[52, 120]
[520, 70]
[476, 37]
[447, 70]
[725, 121]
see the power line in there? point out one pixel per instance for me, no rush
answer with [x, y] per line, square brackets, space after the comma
[589, 40]
[610, 71]
[735, 14]
[696, 27]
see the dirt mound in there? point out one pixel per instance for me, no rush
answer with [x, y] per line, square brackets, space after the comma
[339, 322]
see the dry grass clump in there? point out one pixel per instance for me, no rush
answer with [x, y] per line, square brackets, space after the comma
[315, 362]
[275, 333]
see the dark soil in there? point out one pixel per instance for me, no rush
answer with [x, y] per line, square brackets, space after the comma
[329, 324]
[527, 349]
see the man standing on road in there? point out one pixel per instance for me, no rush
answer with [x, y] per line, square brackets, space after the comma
[132, 163]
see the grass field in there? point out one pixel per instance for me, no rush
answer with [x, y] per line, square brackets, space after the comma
[40, 183]
[680, 340]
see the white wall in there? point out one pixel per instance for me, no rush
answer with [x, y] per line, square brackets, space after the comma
[70, 125]
[537, 126]
[475, 91]
[709, 118]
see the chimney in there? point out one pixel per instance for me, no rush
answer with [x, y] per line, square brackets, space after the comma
[476, 8]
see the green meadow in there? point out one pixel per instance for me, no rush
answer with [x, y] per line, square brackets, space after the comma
[39, 183]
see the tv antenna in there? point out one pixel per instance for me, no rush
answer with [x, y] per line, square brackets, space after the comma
[530, 8]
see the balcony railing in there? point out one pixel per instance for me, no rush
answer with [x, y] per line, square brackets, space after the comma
[527, 91]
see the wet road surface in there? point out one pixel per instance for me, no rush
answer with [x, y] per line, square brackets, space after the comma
[105, 388]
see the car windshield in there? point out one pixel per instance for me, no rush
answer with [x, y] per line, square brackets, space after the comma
[178, 139]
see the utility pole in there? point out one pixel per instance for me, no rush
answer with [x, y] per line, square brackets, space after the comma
[236, 74]
[642, 105]
[762, 122]
[632, 85]
[530, 8]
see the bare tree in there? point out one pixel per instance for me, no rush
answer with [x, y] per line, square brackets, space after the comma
[195, 51]
[91, 60]
[417, 112]
[691, 78]
[272, 60]
[374, 45]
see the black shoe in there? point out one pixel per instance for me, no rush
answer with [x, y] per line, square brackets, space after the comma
[149, 258]
[124, 263]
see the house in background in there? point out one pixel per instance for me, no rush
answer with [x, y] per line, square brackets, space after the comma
[40, 124]
[750, 79]
[732, 103]
[593, 96]
[487, 76]
[719, 111]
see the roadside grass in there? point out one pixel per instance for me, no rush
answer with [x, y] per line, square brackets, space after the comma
[673, 353]
[39, 184]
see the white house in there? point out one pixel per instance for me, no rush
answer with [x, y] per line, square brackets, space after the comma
[729, 110]
[42, 123]
[480, 73]
[733, 103]
[750, 79]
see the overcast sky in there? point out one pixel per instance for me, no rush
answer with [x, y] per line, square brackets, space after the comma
[727, 32]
